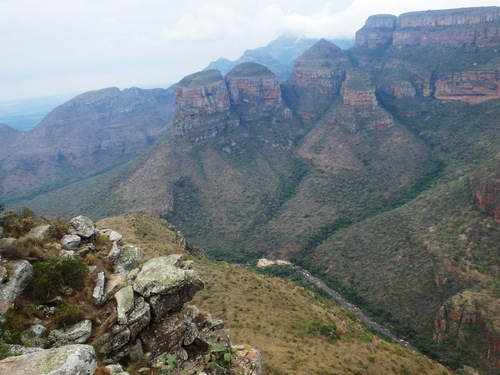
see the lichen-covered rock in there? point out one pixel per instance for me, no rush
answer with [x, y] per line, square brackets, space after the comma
[1, 232]
[80, 332]
[125, 258]
[82, 226]
[169, 335]
[39, 233]
[98, 292]
[248, 360]
[11, 290]
[139, 318]
[161, 276]
[116, 370]
[124, 303]
[67, 360]
[70, 241]
[113, 236]
[3, 274]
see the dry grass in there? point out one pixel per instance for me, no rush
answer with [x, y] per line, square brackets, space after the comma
[270, 314]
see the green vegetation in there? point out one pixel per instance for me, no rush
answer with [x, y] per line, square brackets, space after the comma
[57, 275]
[249, 69]
[202, 78]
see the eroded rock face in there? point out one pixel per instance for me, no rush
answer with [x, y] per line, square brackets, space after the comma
[357, 90]
[253, 83]
[477, 27]
[470, 87]
[485, 186]
[376, 32]
[398, 89]
[321, 69]
[67, 360]
[203, 101]
[464, 27]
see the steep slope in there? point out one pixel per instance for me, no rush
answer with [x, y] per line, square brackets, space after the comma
[276, 316]
[89, 134]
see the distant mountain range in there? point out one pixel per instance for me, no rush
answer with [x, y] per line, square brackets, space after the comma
[374, 167]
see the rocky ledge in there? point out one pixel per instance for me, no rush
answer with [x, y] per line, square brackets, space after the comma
[485, 186]
[469, 27]
[144, 307]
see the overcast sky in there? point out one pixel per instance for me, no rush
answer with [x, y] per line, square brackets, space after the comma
[51, 47]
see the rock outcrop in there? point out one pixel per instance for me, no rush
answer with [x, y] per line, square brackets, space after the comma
[148, 316]
[485, 186]
[317, 77]
[253, 90]
[472, 27]
[464, 27]
[357, 90]
[376, 32]
[203, 101]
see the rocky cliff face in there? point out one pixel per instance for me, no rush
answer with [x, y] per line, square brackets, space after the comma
[144, 306]
[357, 90]
[317, 77]
[203, 101]
[485, 187]
[478, 27]
[253, 90]
[472, 27]
[376, 32]
[209, 103]
[470, 319]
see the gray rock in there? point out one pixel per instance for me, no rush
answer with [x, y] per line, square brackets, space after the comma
[40, 232]
[80, 332]
[113, 236]
[132, 275]
[33, 335]
[124, 303]
[121, 336]
[116, 370]
[7, 242]
[99, 289]
[125, 258]
[67, 254]
[67, 360]
[3, 274]
[70, 241]
[82, 226]
[11, 290]
[168, 335]
[140, 317]
[20, 350]
[104, 344]
[1, 232]
[161, 276]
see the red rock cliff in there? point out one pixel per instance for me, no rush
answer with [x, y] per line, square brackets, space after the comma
[203, 101]
[321, 69]
[473, 27]
[485, 186]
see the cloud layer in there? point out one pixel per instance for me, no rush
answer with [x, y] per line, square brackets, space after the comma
[54, 46]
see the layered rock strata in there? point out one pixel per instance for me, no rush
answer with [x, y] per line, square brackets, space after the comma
[376, 32]
[464, 27]
[253, 89]
[485, 186]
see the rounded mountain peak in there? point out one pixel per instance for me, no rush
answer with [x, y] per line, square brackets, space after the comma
[249, 69]
[324, 53]
[199, 79]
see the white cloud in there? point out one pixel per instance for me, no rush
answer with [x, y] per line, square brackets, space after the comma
[58, 46]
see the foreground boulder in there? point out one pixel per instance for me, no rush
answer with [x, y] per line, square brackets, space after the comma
[67, 360]
[12, 289]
